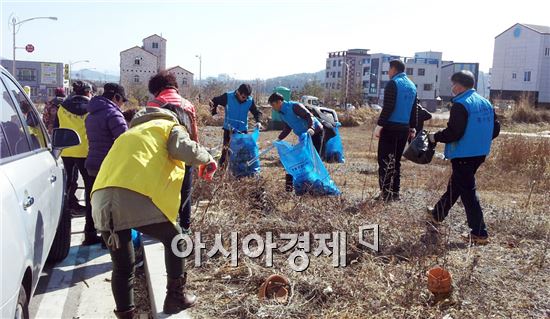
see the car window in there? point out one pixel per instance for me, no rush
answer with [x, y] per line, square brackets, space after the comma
[4, 147]
[31, 119]
[14, 133]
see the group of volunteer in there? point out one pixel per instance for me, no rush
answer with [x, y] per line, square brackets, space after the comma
[137, 167]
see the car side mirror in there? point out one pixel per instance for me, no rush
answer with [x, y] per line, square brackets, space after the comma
[63, 138]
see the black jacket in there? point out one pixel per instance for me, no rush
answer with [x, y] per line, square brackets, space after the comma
[457, 125]
[76, 104]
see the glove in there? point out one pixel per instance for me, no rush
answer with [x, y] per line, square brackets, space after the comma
[431, 138]
[310, 131]
[207, 171]
[259, 126]
[377, 131]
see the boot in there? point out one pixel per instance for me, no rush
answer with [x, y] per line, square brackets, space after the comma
[128, 314]
[91, 238]
[176, 297]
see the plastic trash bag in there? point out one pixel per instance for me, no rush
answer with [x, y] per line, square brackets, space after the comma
[334, 149]
[309, 175]
[242, 149]
[420, 150]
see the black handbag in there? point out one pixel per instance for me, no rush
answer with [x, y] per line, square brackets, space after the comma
[420, 150]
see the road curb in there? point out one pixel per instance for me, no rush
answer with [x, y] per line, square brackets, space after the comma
[155, 272]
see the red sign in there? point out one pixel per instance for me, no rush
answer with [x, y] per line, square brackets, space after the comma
[29, 48]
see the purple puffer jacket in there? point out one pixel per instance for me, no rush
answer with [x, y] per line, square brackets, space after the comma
[104, 124]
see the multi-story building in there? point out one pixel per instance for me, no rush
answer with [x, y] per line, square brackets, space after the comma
[375, 76]
[450, 68]
[344, 73]
[139, 64]
[41, 77]
[521, 64]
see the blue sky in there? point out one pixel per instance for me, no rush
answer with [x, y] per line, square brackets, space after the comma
[261, 39]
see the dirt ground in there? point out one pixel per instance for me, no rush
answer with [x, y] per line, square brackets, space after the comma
[506, 279]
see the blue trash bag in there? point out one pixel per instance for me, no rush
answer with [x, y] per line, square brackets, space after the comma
[136, 238]
[243, 149]
[334, 149]
[302, 161]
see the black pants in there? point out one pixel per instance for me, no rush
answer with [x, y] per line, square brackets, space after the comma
[186, 193]
[72, 186]
[463, 184]
[318, 142]
[225, 149]
[390, 149]
[123, 258]
[70, 164]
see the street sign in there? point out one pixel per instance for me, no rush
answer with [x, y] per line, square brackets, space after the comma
[29, 48]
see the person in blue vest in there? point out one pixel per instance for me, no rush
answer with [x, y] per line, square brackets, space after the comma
[297, 119]
[468, 137]
[395, 124]
[237, 104]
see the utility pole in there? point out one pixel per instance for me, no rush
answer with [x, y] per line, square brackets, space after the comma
[199, 56]
[14, 24]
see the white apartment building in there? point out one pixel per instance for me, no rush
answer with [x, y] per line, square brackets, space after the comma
[139, 64]
[521, 64]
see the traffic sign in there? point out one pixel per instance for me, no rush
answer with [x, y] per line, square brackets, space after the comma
[29, 48]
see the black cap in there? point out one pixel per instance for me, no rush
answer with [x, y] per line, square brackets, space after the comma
[113, 88]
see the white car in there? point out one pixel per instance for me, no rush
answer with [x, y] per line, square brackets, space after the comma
[34, 226]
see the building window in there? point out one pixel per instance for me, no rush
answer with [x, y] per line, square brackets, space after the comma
[334, 63]
[527, 76]
[155, 45]
[339, 62]
[428, 87]
[365, 84]
[333, 75]
[328, 74]
[436, 78]
[339, 74]
[410, 71]
[366, 70]
[421, 72]
[547, 52]
[184, 82]
[384, 72]
[26, 74]
[514, 76]
[136, 78]
[137, 61]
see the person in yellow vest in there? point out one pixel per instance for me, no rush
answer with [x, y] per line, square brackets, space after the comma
[138, 187]
[72, 114]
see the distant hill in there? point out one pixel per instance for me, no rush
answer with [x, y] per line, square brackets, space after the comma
[294, 81]
[92, 75]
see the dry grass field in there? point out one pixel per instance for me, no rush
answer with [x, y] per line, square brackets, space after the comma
[509, 278]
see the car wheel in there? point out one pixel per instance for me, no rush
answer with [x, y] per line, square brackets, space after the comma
[62, 241]
[22, 308]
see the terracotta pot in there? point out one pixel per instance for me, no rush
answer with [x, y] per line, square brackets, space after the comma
[275, 287]
[439, 281]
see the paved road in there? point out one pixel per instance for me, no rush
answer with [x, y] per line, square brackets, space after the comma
[79, 286]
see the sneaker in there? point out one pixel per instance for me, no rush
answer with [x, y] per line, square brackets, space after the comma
[430, 219]
[387, 198]
[77, 210]
[475, 239]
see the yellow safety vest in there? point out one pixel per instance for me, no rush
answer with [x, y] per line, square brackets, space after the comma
[139, 161]
[77, 123]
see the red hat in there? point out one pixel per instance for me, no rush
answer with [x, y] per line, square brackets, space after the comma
[60, 92]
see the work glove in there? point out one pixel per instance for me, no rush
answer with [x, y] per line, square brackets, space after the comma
[206, 171]
[431, 138]
[259, 126]
[377, 131]
[310, 131]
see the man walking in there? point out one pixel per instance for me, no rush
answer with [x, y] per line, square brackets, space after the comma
[395, 124]
[468, 137]
[237, 104]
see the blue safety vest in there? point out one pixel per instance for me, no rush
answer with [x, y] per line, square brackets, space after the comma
[406, 95]
[236, 113]
[296, 123]
[478, 135]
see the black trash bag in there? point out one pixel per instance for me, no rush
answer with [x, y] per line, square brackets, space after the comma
[420, 150]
